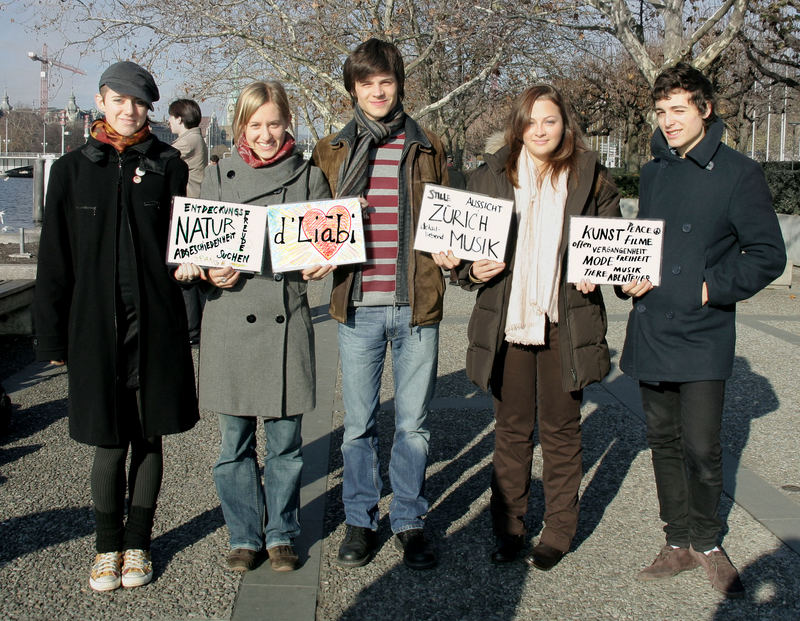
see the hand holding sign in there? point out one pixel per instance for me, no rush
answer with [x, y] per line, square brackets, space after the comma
[484, 270]
[637, 289]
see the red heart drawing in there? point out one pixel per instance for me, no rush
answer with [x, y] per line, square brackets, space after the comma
[330, 226]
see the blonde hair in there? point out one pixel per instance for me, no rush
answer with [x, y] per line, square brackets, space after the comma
[255, 95]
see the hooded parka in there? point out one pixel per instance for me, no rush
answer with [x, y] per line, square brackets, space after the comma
[76, 309]
[719, 227]
[582, 323]
[257, 353]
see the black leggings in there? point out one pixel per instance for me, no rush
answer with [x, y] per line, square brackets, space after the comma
[108, 490]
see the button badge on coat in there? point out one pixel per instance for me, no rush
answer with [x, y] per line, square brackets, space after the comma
[280, 319]
[251, 318]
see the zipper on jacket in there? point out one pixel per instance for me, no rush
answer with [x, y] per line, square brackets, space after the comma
[114, 287]
[565, 323]
[411, 285]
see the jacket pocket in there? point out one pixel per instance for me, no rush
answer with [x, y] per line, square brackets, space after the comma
[88, 210]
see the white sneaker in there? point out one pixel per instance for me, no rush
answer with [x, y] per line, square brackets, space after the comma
[137, 570]
[105, 574]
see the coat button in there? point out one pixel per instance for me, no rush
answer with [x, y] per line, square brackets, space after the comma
[251, 319]
[278, 277]
[676, 269]
[686, 227]
[640, 308]
[231, 174]
[280, 319]
[669, 314]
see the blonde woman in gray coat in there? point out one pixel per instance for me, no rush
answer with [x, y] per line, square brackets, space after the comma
[257, 341]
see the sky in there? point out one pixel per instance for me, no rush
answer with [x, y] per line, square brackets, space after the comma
[20, 76]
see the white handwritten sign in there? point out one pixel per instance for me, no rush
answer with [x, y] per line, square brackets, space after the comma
[473, 226]
[217, 234]
[614, 250]
[327, 232]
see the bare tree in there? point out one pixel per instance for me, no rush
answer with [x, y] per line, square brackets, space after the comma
[660, 33]
[220, 42]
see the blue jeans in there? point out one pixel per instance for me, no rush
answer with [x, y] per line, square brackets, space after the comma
[238, 480]
[362, 349]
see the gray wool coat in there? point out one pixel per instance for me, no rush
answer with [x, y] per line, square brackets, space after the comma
[257, 339]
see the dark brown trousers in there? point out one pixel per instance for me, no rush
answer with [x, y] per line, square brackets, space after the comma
[526, 384]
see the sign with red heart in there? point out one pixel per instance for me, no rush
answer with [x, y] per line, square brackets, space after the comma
[327, 232]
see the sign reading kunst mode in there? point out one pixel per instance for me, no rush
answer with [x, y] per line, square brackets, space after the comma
[473, 226]
[328, 232]
[217, 234]
[614, 251]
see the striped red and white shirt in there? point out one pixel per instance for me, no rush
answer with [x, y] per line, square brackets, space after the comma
[380, 230]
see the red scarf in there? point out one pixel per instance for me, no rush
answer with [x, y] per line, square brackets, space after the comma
[252, 160]
[103, 132]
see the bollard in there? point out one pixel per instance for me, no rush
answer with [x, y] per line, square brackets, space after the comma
[38, 191]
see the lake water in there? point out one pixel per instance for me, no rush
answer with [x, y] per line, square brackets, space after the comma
[16, 200]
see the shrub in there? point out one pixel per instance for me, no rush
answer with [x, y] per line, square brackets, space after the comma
[627, 183]
[783, 179]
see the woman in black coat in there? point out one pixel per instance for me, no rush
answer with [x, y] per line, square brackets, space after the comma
[535, 339]
[106, 306]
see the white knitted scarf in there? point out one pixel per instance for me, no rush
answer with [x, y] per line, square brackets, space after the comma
[537, 263]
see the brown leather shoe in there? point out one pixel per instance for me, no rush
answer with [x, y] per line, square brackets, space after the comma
[283, 558]
[721, 572]
[242, 559]
[544, 557]
[669, 562]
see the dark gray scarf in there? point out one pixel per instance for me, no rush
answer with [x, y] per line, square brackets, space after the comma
[353, 174]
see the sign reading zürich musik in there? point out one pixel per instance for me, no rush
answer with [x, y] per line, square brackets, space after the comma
[473, 226]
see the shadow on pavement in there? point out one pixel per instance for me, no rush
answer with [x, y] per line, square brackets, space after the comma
[458, 479]
[748, 396]
[36, 418]
[771, 589]
[26, 534]
[166, 546]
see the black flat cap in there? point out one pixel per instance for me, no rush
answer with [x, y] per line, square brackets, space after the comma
[127, 78]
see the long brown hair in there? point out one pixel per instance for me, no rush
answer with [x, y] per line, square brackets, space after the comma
[565, 157]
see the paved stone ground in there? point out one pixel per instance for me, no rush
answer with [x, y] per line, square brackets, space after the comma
[619, 530]
[46, 524]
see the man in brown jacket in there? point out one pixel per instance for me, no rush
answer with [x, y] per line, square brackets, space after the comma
[383, 156]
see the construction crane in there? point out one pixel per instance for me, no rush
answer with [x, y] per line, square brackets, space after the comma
[45, 74]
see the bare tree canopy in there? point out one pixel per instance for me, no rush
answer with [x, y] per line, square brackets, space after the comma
[464, 58]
